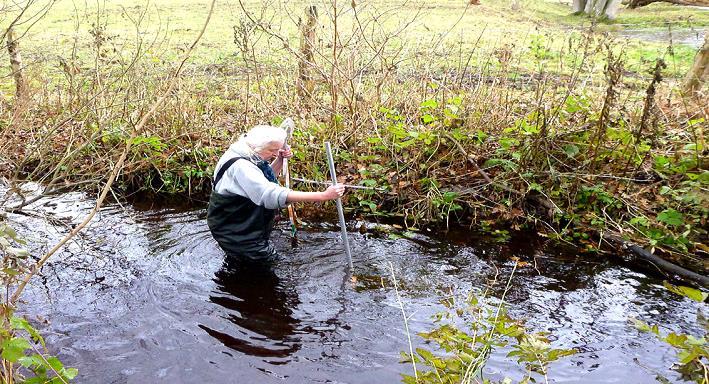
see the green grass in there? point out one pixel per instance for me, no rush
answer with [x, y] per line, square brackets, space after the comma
[659, 14]
[171, 25]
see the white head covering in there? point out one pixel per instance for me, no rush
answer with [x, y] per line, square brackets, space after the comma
[260, 136]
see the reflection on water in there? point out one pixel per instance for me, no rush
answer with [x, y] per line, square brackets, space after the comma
[144, 295]
[691, 37]
[259, 305]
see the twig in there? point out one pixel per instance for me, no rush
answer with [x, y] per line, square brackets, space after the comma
[41, 355]
[468, 157]
[346, 185]
[406, 322]
[116, 169]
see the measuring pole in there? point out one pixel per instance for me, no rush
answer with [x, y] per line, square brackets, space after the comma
[289, 125]
[340, 211]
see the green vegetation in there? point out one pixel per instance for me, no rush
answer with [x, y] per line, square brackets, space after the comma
[25, 357]
[464, 350]
[558, 115]
[476, 115]
[692, 351]
[166, 26]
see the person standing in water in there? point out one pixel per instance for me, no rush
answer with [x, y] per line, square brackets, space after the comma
[246, 194]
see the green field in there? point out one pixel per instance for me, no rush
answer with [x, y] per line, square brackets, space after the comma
[442, 32]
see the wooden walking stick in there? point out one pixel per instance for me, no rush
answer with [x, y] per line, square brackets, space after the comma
[340, 211]
[288, 124]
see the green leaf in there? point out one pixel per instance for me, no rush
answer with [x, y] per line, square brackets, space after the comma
[427, 119]
[430, 103]
[704, 177]
[686, 356]
[20, 323]
[534, 187]
[55, 363]
[691, 340]
[37, 380]
[427, 355]
[665, 190]
[696, 121]
[555, 354]
[676, 340]
[693, 147]
[507, 142]
[17, 252]
[640, 220]
[29, 361]
[571, 150]
[13, 349]
[507, 164]
[643, 326]
[671, 217]
[70, 373]
[692, 293]
[9, 232]
[692, 176]
[10, 271]
[661, 162]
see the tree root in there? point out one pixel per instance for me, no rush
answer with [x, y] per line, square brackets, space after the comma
[640, 3]
[662, 264]
[638, 252]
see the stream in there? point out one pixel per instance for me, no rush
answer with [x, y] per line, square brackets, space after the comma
[143, 295]
[691, 37]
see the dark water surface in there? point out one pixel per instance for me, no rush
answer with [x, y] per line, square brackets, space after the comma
[144, 296]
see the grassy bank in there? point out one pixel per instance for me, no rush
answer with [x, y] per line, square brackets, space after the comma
[423, 101]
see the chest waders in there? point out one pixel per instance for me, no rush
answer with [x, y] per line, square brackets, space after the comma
[240, 227]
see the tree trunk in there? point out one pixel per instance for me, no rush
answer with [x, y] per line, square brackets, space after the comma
[611, 10]
[13, 50]
[590, 4]
[699, 71]
[307, 48]
[579, 6]
[597, 8]
[639, 3]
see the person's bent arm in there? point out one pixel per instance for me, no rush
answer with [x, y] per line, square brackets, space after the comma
[331, 193]
[277, 163]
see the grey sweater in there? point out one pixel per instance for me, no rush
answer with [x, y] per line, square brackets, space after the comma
[244, 178]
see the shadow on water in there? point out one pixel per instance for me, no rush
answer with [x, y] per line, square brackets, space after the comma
[259, 305]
